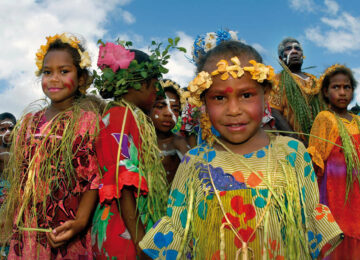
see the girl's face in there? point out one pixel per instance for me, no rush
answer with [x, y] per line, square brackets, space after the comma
[147, 95]
[165, 112]
[236, 108]
[59, 78]
[339, 92]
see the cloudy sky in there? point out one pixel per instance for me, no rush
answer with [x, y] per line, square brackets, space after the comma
[328, 29]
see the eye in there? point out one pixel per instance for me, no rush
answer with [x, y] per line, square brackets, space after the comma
[46, 72]
[347, 87]
[64, 71]
[159, 106]
[219, 98]
[297, 48]
[247, 95]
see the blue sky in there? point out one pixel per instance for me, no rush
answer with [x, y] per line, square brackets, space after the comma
[329, 31]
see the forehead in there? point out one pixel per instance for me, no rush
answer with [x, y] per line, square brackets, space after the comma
[340, 77]
[58, 57]
[6, 121]
[292, 44]
[210, 65]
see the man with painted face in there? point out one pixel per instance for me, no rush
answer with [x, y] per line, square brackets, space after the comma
[294, 99]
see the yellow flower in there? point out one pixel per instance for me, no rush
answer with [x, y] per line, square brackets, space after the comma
[85, 60]
[259, 71]
[201, 82]
[223, 67]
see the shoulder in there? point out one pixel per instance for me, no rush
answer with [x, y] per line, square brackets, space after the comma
[181, 143]
[116, 114]
[325, 116]
[289, 144]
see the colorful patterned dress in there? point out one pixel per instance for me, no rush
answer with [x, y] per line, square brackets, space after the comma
[111, 239]
[62, 194]
[284, 221]
[331, 166]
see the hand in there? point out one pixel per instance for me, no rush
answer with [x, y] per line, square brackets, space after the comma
[60, 235]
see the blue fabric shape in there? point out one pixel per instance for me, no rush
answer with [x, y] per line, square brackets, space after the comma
[202, 209]
[163, 240]
[170, 254]
[152, 253]
[260, 202]
[179, 198]
[303, 192]
[307, 157]
[260, 154]
[314, 241]
[223, 181]
[185, 159]
[293, 144]
[248, 155]
[264, 192]
[169, 211]
[124, 144]
[183, 218]
[307, 170]
[291, 158]
[209, 156]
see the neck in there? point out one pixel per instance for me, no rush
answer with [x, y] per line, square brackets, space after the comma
[296, 68]
[163, 135]
[58, 107]
[342, 112]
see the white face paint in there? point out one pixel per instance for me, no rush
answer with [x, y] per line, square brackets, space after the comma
[293, 45]
[7, 122]
[7, 132]
[156, 116]
[167, 101]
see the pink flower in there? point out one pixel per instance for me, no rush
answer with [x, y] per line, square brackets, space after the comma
[114, 56]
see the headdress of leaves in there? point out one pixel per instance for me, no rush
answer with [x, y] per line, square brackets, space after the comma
[328, 71]
[122, 79]
[168, 83]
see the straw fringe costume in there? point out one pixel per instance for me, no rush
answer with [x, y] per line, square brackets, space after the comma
[269, 197]
[52, 163]
[300, 112]
[128, 156]
[332, 178]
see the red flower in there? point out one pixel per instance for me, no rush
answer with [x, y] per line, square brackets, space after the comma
[114, 56]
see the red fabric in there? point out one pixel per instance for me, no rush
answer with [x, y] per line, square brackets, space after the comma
[109, 234]
[333, 192]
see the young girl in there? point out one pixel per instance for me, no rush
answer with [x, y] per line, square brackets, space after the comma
[245, 194]
[336, 161]
[133, 188]
[53, 162]
[164, 115]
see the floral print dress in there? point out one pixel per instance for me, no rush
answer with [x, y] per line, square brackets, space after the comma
[250, 205]
[64, 195]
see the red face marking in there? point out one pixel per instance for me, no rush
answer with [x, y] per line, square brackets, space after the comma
[69, 85]
[229, 90]
[44, 85]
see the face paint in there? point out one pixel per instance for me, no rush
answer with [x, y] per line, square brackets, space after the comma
[156, 116]
[7, 122]
[293, 45]
[229, 90]
[70, 85]
[44, 85]
[167, 101]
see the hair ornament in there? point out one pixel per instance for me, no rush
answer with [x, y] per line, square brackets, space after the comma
[203, 80]
[328, 71]
[65, 38]
[205, 42]
[168, 83]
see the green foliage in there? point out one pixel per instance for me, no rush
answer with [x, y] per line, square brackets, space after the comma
[123, 79]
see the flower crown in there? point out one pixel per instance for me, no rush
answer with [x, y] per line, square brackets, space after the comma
[168, 83]
[120, 70]
[203, 80]
[71, 40]
[205, 42]
[328, 71]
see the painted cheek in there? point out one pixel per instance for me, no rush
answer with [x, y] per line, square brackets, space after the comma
[44, 85]
[69, 85]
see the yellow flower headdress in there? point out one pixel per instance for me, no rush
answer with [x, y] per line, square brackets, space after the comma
[71, 40]
[327, 72]
[203, 80]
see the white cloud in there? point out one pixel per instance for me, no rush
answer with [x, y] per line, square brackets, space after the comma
[302, 5]
[128, 17]
[341, 34]
[24, 26]
[357, 90]
[332, 6]
[181, 70]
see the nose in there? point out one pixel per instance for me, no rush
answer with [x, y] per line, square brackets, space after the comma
[167, 111]
[234, 107]
[342, 91]
[55, 76]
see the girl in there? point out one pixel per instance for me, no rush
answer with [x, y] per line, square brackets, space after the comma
[246, 193]
[164, 115]
[133, 189]
[53, 162]
[336, 161]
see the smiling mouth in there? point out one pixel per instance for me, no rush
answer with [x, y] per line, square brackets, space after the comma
[236, 127]
[166, 123]
[54, 89]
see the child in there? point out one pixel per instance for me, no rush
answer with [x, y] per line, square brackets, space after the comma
[336, 161]
[246, 193]
[7, 123]
[133, 189]
[164, 115]
[52, 161]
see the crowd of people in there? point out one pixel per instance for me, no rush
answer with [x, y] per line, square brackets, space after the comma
[243, 163]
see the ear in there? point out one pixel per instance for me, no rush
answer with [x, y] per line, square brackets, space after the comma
[325, 92]
[82, 80]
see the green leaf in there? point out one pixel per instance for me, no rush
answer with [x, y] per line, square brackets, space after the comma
[171, 41]
[182, 49]
[164, 52]
[143, 74]
[137, 85]
[100, 42]
[177, 39]
[153, 42]
[163, 70]
[108, 74]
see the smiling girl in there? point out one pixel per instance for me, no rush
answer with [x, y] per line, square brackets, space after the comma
[336, 161]
[52, 170]
[246, 194]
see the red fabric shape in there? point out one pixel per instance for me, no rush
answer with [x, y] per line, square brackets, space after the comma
[240, 208]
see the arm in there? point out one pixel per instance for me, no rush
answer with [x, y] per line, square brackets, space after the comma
[131, 218]
[71, 228]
